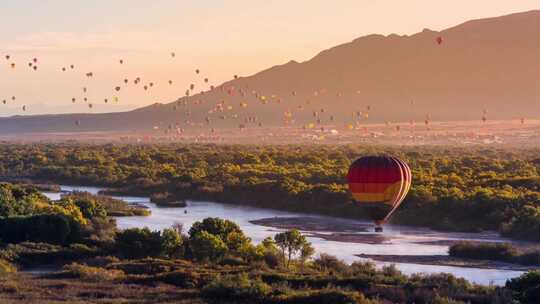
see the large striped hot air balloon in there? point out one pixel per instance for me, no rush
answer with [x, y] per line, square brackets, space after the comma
[380, 184]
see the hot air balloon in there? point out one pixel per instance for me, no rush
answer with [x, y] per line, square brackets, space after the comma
[63, 69]
[117, 89]
[173, 54]
[73, 99]
[206, 80]
[24, 108]
[197, 71]
[439, 40]
[170, 82]
[121, 61]
[13, 65]
[7, 57]
[34, 60]
[380, 184]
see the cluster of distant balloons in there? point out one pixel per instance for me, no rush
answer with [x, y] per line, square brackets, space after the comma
[223, 106]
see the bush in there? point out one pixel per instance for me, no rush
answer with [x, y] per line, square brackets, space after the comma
[238, 288]
[207, 247]
[215, 226]
[484, 251]
[139, 243]
[93, 274]
[47, 228]
[183, 279]
[526, 288]
[329, 263]
[6, 267]
[329, 296]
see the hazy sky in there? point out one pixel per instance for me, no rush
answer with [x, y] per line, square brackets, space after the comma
[221, 38]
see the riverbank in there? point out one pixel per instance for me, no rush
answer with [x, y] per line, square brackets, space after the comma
[444, 260]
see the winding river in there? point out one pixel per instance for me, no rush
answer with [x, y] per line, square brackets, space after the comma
[402, 240]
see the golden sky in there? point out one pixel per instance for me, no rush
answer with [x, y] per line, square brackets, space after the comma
[221, 38]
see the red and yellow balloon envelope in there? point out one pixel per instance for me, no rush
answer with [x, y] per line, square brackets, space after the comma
[379, 184]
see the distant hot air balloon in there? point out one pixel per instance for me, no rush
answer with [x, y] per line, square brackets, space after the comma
[121, 61]
[439, 40]
[380, 184]
[117, 89]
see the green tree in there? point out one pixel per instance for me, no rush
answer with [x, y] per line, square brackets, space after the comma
[171, 243]
[207, 247]
[215, 226]
[139, 243]
[306, 252]
[290, 243]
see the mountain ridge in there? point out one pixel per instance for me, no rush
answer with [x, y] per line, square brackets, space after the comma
[483, 65]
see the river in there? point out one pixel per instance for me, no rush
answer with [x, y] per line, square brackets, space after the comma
[402, 240]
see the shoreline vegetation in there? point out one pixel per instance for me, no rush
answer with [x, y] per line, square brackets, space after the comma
[212, 262]
[454, 189]
[445, 260]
